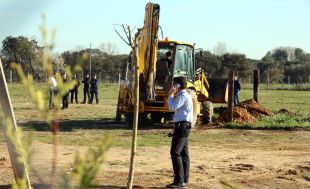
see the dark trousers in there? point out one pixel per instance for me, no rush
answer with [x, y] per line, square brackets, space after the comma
[65, 100]
[86, 93]
[74, 94]
[179, 152]
[92, 93]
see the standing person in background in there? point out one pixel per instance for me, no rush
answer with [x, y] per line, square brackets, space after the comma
[65, 98]
[53, 89]
[237, 89]
[94, 89]
[74, 90]
[86, 89]
[181, 102]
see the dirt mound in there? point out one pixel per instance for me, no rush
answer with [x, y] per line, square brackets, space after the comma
[246, 112]
[256, 109]
[239, 115]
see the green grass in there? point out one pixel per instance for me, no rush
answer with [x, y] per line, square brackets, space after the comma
[294, 101]
[279, 86]
[276, 122]
[154, 138]
[25, 109]
[85, 115]
[120, 138]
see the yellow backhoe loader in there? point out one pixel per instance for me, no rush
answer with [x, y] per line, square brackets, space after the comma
[159, 62]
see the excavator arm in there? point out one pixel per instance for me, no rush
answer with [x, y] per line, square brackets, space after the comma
[147, 51]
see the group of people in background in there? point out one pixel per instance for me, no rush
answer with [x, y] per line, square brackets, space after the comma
[90, 90]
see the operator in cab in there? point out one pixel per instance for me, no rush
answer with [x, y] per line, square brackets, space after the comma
[168, 60]
[180, 101]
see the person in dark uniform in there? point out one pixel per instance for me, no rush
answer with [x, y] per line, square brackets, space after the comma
[163, 69]
[86, 89]
[94, 89]
[74, 90]
[237, 89]
[65, 98]
[168, 59]
[181, 102]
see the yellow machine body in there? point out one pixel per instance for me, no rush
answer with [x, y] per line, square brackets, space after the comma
[156, 76]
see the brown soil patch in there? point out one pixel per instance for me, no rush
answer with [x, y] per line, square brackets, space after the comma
[246, 112]
[248, 163]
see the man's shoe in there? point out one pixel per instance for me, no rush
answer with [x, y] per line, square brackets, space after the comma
[176, 185]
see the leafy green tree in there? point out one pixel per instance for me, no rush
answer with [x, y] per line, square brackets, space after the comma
[24, 52]
[210, 63]
[238, 63]
[280, 55]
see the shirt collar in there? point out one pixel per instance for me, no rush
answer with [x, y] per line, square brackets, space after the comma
[180, 92]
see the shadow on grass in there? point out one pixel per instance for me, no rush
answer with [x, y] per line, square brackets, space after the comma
[123, 187]
[42, 186]
[104, 124]
[35, 186]
[273, 127]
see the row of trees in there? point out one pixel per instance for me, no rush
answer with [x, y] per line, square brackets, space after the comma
[278, 65]
[29, 54]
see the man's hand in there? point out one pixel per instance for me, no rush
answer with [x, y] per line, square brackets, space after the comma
[172, 91]
[170, 134]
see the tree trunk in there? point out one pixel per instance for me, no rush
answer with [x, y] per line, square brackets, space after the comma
[19, 168]
[256, 85]
[135, 123]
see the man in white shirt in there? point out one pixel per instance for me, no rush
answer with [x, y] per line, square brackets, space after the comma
[53, 89]
[181, 102]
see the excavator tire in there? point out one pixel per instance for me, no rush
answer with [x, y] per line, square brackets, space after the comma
[156, 117]
[143, 122]
[118, 116]
[207, 112]
[195, 106]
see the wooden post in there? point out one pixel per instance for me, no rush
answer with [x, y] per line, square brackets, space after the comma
[256, 85]
[135, 123]
[46, 77]
[11, 76]
[268, 81]
[289, 80]
[230, 96]
[19, 168]
[119, 79]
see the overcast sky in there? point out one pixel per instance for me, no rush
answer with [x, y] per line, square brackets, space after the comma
[251, 27]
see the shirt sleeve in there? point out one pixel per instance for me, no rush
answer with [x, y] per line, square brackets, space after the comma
[177, 103]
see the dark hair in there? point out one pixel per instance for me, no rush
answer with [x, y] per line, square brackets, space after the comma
[168, 54]
[180, 80]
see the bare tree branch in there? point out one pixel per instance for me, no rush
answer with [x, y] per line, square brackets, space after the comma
[121, 37]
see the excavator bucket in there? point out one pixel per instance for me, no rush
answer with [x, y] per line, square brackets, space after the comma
[218, 92]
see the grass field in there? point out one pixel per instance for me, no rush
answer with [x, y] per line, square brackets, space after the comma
[219, 156]
[292, 100]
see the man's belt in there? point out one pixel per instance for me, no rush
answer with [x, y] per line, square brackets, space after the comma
[185, 124]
